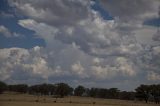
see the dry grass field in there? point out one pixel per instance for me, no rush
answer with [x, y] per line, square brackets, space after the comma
[15, 99]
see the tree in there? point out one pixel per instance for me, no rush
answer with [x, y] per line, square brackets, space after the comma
[113, 93]
[63, 89]
[79, 90]
[51, 89]
[155, 92]
[124, 95]
[43, 89]
[142, 92]
[3, 87]
[93, 92]
[34, 89]
[146, 91]
[87, 91]
[101, 93]
[22, 88]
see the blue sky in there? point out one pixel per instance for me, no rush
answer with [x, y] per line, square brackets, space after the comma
[95, 43]
[27, 40]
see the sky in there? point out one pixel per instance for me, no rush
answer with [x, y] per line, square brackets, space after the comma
[94, 43]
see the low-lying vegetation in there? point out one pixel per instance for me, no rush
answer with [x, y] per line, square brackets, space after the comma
[147, 93]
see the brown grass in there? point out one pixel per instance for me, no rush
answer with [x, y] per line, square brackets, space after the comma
[16, 99]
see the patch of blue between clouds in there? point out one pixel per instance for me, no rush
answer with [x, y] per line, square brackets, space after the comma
[27, 40]
[97, 7]
[4, 5]
[153, 22]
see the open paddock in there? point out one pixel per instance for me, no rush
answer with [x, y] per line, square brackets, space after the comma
[16, 99]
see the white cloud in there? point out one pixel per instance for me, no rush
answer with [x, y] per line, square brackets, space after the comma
[104, 72]
[125, 66]
[7, 33]
[79, 70]
[156, 50]
[42, 30]
[4, 31]
[96, 61]
[9, 59]
[22, 60]
[121, 67]
[40, 67]
[92, 34]
[81, 44]
[153, 76]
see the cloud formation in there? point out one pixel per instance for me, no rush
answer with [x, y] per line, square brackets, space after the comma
[4, 31]
[81, 45]
[137, 11]
[7, 33]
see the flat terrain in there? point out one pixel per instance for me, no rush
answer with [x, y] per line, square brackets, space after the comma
[15, 99]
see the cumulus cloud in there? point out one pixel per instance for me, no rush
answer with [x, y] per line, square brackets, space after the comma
[119, 66]
[77, 68]
[156, 36]
[42, 30]
[153, 76]
[145, 35]
[18, 60]
[136, 11]
[130, 15]
[7, 33]
[83, 45]
[156, 50]
[4, 31]
[87, 29]
[126, 47]
[53, 12]
[151, 63]
[125, 66]
[9, 58]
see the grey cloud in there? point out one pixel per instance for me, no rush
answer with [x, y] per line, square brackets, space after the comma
[57, 12]
[151, 63]
[94, 36]
[90, 33]
[81, 45]
[128, 10]
[131, 14]
[156, 36]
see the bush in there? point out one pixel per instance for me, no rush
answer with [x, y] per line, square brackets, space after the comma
[3, 87]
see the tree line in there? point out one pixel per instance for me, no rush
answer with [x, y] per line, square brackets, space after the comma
[143, 92]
